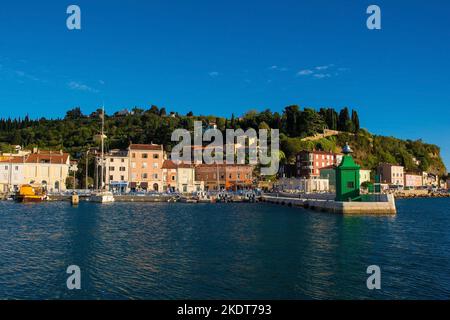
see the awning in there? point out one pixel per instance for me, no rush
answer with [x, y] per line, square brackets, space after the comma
[118, 183]
[133, 184]
[144, 185]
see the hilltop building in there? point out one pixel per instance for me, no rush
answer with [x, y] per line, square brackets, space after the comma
[309, 163]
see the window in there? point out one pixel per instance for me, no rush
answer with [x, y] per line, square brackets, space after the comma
[155, 156]
[144, 165]
[6, 167]
[111, 168]
[144, 176]
[133, 165]
[155, 176]
[111, 160]
[144, 156]
[122, 178]
[350, 184]
[239, 175]
[133, 155]
[111, 178]
[133, 176]
[123, 160]
[122, 169]
[173, 178]
[155, 165]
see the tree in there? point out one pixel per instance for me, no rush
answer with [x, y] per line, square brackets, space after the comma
[190, 114]
[74, 114]
[344, 120]
[355, 121]
[154, 109]
[162, 112]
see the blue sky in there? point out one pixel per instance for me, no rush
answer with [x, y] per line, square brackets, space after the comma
[220, 57]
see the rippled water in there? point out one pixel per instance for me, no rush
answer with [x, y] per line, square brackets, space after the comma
[222, 251]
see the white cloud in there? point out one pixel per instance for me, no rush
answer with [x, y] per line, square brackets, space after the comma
[305, 72]
[278, 68]
[321, 75]
[214, 74]
[81, 87]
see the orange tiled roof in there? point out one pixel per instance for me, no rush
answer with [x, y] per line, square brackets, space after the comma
[13, 159]
[51, 157]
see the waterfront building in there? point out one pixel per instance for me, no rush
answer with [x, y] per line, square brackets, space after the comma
[49, 169]
[364, 176]
[303, 185]
[145, 171]
[116, 170]
[180, 177]
[413, 180]
[12, 173]
[309, 163]
[430, 179]
[229, 177]
[391, 174]
[329, 173]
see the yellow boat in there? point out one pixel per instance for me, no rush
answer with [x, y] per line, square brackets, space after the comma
[28, 193]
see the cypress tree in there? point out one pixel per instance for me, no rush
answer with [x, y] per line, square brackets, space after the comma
[355, 121]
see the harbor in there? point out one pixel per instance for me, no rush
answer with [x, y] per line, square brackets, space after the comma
[221, 251]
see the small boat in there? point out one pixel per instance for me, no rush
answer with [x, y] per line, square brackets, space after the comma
[102, 197]
[188, 200]
[28, 193]
[203, 197]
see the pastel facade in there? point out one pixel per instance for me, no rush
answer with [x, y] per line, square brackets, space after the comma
[413, 180]
[304, 185]
[309, 163]
[117, 164]
[146, 172]
[49, 169]
[391, 174]
[180, 178]
[229, 177]
[12, 173]
[364, 176]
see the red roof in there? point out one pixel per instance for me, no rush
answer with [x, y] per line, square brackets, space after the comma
[169, 164]
[153, 147]
[13, 159]
[49, 157]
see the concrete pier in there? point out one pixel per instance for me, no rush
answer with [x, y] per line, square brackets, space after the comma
[381, 204]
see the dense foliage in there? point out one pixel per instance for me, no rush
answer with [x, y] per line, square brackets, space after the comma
[75, 133]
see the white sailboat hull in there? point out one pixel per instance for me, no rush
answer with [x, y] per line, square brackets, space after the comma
[102, 198]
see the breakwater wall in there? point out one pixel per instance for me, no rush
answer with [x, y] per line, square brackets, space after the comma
[379, 205]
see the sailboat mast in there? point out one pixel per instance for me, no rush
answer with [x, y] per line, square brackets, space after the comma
[103, 148]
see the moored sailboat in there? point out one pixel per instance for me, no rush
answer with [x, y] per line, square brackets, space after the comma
[102, 196]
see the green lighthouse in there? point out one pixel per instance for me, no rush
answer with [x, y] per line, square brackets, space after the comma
[347, 177]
